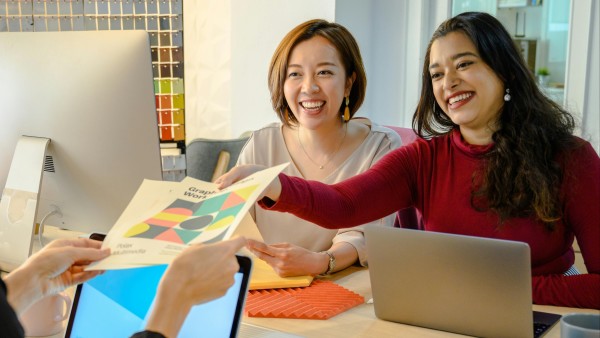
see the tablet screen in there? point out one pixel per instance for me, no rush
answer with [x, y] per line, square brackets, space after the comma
[119, 302]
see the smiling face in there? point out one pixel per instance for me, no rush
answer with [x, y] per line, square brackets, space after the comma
[316, 83]
[465, 87]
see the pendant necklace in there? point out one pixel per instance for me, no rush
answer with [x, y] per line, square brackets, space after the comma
[322, 166]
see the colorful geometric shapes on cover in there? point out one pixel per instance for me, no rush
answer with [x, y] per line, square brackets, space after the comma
[196, 223]
[145, 230]
[320, 300]
[184, 221]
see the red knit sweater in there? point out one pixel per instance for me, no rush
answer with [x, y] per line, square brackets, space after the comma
[435, 176]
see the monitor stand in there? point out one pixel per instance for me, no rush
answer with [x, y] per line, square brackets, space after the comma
[19, 203]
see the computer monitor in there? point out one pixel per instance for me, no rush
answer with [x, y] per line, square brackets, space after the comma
[91, 94]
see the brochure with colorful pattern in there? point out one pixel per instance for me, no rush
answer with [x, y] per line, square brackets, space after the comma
[164, 217]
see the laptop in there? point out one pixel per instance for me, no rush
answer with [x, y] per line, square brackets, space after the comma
[118, 302]
[461, 284]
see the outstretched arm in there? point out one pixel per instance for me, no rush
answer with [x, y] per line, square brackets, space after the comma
[377, 192]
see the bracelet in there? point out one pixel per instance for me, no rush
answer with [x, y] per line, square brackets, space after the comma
[331, 264]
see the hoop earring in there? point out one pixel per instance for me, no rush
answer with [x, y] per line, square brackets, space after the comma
[507, 96]
[347, 110]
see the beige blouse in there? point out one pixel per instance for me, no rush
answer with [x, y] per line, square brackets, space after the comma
[267, 147]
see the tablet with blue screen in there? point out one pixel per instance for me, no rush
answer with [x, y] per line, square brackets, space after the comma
[119, 302]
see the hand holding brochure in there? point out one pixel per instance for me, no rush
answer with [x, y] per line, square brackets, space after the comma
[163, 218]
[263, 276]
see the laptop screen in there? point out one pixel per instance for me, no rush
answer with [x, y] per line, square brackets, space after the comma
[119, 302]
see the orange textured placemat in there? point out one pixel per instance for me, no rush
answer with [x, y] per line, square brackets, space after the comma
[320, 300]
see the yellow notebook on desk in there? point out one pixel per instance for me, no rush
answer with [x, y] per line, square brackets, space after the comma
[263, 276]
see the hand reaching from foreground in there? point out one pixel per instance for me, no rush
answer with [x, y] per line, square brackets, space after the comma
[200, 273]
[59, 265]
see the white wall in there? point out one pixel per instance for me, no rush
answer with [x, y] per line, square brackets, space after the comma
[591, 117]
[583, 71]
[383, 46]
[228, 46]
[229, 43]
[257, 28]
[207, 72]
[355, 16]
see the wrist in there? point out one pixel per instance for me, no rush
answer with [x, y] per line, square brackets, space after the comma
[274, 189]
[330, 263]
[168, 314]
[22, 288]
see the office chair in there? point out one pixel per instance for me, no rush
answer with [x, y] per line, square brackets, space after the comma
[207, 159]
[409, 218]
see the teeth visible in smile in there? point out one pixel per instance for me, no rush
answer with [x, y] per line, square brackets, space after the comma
[460, 98]
[312, 104]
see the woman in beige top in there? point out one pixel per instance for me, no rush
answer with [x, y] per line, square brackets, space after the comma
[317, 83]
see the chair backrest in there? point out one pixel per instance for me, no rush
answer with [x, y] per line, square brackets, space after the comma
[207, 159]
[406, 134]
[409, 218]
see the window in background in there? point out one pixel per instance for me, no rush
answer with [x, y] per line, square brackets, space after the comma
[162, 19]
[461, 6]
[540, 29]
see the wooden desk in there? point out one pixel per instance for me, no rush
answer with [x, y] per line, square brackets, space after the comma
[360, 321]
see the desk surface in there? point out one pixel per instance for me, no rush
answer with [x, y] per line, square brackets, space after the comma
[359, 321]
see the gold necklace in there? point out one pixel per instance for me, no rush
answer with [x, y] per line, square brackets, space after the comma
[322, 166]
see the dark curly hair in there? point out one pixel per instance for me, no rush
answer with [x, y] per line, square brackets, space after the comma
[520, 177]
[346, 46]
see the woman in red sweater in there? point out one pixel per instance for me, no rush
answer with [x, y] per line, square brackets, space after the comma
[496, 158]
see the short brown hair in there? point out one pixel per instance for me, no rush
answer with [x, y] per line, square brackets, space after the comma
[343, 42]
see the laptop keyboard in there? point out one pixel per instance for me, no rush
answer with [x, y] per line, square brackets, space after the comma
[542, 322]
[539, 329]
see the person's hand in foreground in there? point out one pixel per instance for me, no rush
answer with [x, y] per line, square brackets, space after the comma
[272, 191]
[58, 265]
[289, 260]
[199, 274]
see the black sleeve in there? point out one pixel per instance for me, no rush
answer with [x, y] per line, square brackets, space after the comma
[10, 327]
[148, 334]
